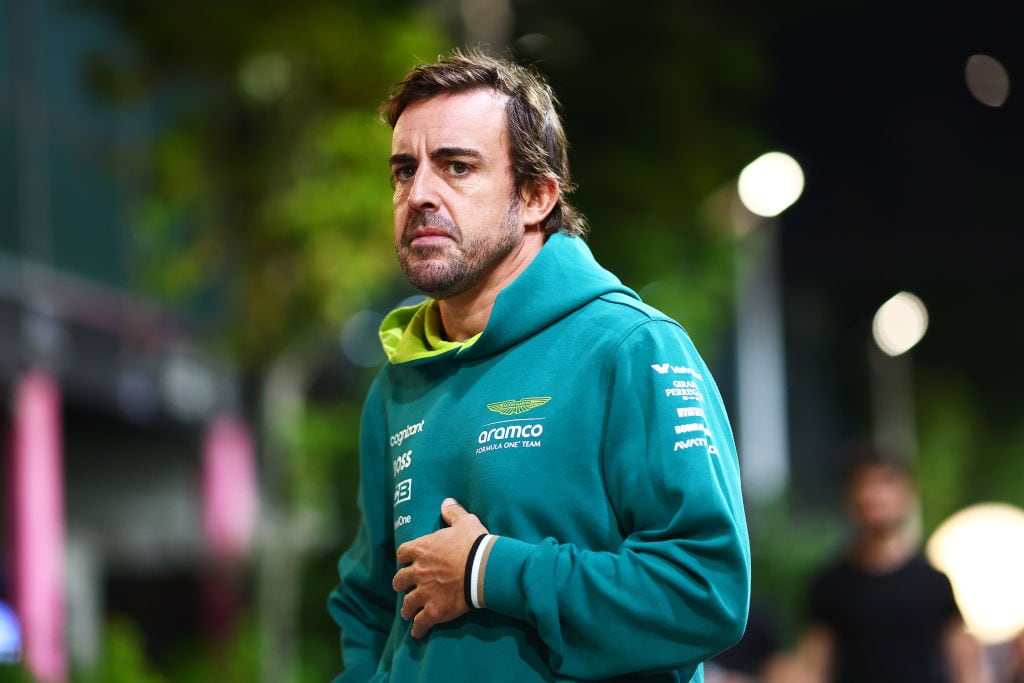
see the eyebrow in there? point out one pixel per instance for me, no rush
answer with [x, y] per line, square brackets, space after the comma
[439, 153]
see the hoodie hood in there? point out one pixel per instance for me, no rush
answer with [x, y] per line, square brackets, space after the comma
[562, 278]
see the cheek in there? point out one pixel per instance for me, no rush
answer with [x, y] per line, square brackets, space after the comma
[400, 219]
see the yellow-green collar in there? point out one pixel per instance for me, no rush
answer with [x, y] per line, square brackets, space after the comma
[415, 332]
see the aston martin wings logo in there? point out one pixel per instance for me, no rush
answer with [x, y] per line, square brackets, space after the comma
[518, 407]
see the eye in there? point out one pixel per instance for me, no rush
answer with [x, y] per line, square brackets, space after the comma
[458, 168]
[403, 173]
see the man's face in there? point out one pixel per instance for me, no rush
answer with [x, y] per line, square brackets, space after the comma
[880, 497]
[456, 212]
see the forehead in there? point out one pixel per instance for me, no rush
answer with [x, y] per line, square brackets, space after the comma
[473, 119]
[878, 473]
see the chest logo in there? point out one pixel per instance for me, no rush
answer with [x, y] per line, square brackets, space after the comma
[517, 406]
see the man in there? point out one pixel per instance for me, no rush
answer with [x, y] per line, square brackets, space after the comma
[549, 486]
[881, 613]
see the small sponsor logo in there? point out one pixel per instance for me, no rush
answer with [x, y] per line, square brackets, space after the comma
[685, 393]
[511, 431]
[517, 406]
[664, 368]
[402, 461]
[690, 412]
[683, 429]
[398, 437]
[403, 491]
[695, 442]
[525, 433]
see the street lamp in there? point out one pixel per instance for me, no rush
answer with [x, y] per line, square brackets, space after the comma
[767, 186]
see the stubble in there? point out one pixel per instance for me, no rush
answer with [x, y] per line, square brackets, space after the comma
[445, 270]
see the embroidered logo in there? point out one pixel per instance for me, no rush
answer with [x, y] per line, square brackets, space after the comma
[518, 407]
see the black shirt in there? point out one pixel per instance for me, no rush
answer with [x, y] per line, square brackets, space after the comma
[886, 627]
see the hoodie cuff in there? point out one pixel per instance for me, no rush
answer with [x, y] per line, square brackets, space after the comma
[502, 583]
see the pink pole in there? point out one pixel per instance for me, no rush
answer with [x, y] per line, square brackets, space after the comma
[230, 502]
[38, 525]
[229, 491]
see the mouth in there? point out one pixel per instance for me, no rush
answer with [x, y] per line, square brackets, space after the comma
[430, 231]
[424, 236]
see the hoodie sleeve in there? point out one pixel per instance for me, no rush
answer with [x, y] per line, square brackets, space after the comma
[676, 591]
[363, 604]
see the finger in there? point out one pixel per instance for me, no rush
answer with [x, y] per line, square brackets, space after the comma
[412, 605]
[405, 553]
[403, 581]
[422, 624]
[451, 510]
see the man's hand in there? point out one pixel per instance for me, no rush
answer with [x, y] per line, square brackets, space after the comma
[435, 568]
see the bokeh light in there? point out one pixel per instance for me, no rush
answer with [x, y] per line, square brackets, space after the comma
[900, 323]
[265, 77]
[10, 636]
[770, 184]
[987, 80]
[360, 340]
[981, 550]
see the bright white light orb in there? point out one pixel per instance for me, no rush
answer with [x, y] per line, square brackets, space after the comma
[900, 323]
[981, 550]
[770, 184]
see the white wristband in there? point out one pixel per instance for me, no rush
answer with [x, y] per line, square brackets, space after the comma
[474, 576]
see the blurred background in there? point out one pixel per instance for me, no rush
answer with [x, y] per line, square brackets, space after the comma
[195, 253]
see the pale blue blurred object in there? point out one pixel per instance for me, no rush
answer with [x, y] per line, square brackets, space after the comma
[10, 635]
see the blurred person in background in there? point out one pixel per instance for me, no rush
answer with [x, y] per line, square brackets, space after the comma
[1015, 661]
[549, 484]
[881, 612]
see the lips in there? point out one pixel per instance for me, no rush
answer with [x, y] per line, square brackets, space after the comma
[427, 235]
[429, 228]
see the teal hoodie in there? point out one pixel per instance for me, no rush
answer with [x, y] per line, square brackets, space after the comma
[584, 430]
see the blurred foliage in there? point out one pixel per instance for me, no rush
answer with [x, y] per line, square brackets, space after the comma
[965, 456]
[11, 673]
[266, 213]
[267, 200]
[663, 108]
[785, 549]
[324, 469]
[267, 188]
[122, 659]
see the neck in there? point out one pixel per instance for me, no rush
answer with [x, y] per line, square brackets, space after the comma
[884, 550]
[465, 315]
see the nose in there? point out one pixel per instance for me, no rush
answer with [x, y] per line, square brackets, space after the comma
[423, 190]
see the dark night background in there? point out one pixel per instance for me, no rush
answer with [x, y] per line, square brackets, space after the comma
[912, 184]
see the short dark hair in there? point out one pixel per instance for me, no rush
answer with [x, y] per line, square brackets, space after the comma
[539, 147]
[864, 454]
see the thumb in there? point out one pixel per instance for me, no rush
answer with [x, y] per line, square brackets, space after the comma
[451, 510]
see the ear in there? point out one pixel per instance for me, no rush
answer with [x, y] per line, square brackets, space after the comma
[539, 200]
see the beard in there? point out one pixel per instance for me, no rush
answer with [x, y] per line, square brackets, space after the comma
[445, 270]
